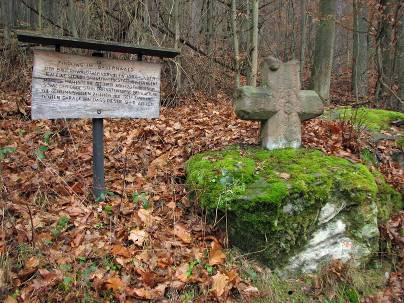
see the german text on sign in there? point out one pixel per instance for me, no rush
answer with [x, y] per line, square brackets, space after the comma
[71, 86]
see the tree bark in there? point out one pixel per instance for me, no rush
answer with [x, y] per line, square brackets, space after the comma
[388, 60]
[400, 60]
[302, 39]
[178, 82]
[254, 44]
[6, 16]
[360, 49]
[324, 50]
[235, 42]
[32, 15]
[40, 13]
[72, 19]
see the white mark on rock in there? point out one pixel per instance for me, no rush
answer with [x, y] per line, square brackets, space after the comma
[329, 212]
[326, 244]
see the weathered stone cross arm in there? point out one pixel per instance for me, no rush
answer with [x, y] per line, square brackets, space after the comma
[279, 104]
[256, 103]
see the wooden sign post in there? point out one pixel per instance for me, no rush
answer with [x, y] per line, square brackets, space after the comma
[98, 155]
[72, 86]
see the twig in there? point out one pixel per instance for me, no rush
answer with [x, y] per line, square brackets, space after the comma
[124, 177]
[67, 32]
[32, 226]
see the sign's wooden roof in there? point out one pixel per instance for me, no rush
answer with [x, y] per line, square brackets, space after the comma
[97, 45]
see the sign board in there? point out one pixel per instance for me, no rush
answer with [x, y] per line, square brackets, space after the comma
[71, 86]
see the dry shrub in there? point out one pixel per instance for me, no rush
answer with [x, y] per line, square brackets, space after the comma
[335, 273]
[15, 67]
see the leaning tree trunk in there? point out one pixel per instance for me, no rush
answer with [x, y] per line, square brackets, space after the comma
[235, 41]
[254, 44]
[360, 49]
[324, 50]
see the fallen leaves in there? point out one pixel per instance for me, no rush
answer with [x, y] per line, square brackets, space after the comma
[158, 165]
[116, 284]
[156, 293]
[32, 262]
[220, 283]
[216, 255]
[137, 236]
[146, 217]
[181, 232]
[141, 249]
[119, 250]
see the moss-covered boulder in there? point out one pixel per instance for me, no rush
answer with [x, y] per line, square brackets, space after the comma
[293, 208]
[372, 119]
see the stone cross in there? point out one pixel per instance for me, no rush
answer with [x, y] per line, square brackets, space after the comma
[279, 104]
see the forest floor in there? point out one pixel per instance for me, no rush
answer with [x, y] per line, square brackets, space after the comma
[147, 240]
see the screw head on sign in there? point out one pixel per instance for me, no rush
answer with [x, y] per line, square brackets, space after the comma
[98, 111]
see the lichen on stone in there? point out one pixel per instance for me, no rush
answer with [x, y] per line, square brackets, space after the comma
[274, 199]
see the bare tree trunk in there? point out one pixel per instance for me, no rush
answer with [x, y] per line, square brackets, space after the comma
[209, 25]
[360, 49]
[303, 39]
[324, 50]
[254, 44]
[32, 15]
[178, 83]
[400, 60]
[40, 13]
[72, 19]
[6, 13]
[235, 41]
[387, 55]
[209, 40]
[292, 20]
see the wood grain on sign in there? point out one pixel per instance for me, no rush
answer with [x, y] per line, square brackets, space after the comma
[71, 86]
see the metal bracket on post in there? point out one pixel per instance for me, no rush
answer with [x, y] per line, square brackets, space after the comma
[98, 155]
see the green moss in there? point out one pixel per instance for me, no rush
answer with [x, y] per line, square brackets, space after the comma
[388, 200]
[279, 194]
[373, 119]
[271, 176]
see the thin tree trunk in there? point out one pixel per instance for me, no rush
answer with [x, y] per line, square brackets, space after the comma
[178, 83]
[247, 38]
[254, 44]
[400, 60]
[32, 15]
[72, 19]
[40, 13]
[13, 14]
[209, 25]
[291, 20]
[360, 49]
[303, 39]
[388, 57]
[6, 9]
[235, 41]
[209, 40]
[324, 50]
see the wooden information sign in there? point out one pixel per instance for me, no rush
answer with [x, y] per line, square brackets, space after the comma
[71, 86]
